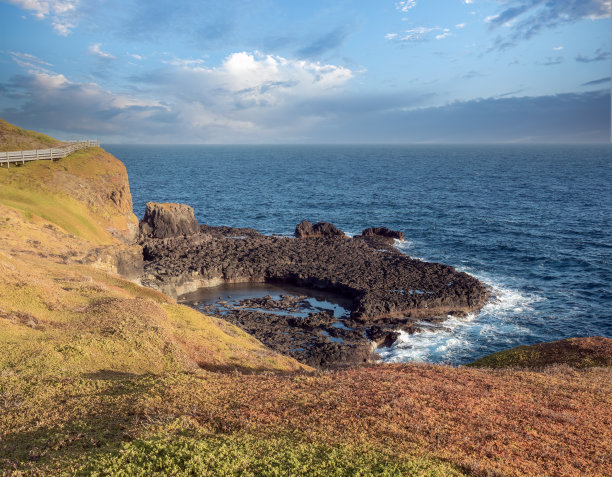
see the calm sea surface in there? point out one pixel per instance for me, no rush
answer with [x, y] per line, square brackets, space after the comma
[533, 222]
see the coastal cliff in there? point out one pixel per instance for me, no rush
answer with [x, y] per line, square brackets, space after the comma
[101, 376]
[67, 253]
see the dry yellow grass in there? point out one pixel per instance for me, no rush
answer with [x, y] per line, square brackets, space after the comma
[13, 138]
[59, 317]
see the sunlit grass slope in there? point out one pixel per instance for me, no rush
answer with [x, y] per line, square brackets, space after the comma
[65, 320]
[86, 194]
[13, 138]
[60, 317]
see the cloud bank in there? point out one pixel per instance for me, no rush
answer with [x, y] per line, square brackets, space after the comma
[257, 98]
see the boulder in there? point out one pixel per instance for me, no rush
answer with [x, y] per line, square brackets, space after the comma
[383, 232]
[321, 229]
[168, 220]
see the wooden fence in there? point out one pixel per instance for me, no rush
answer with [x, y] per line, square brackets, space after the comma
[21, 157]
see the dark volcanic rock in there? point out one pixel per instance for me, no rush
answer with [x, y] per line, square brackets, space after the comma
[230, 232]
[383, 284]
[168, 220]
[387, 289]
[382, 337]
[383, 232]
[311, 340]
[321, 229]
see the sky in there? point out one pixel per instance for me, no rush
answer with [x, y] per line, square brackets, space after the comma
[314, 72]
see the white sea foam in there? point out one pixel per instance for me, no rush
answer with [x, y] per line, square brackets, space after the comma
[457, 339]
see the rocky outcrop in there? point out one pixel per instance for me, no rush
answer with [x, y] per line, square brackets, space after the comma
[388, 290]
[125, 260]
[225, 231]
[594, 351]
[163, 221]
[312, 340]
[321, 229]
[383, 232]
[383, 284]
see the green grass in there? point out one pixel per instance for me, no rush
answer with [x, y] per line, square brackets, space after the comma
[245, 455]
[72, 216]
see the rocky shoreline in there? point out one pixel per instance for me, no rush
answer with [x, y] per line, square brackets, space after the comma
[387, 290]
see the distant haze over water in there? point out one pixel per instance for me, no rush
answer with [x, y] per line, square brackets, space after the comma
[533, 222]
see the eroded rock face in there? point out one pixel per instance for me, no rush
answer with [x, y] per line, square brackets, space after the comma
[125, 260]
[383, 232]
[321, 229]
[163, 221]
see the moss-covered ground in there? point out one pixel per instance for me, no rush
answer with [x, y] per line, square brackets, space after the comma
[576, 352]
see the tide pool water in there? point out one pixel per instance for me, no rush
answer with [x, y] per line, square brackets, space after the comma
[532, 222]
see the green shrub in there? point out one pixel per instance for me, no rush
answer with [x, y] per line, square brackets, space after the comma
[245, 455]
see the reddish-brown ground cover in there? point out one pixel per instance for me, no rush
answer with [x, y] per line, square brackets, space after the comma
[488, 422]
[555, 422]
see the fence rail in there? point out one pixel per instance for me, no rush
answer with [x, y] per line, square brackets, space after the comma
[21, 157]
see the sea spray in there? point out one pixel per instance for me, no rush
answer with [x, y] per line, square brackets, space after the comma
[458, 340]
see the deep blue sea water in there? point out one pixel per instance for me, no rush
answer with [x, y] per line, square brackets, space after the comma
[533, 222]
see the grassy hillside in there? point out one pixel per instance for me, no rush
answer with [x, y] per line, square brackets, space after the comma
[575, 352]
[100, 376]
[86, 194]
[13, 138]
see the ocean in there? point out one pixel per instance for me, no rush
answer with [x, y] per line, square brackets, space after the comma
[532, 222]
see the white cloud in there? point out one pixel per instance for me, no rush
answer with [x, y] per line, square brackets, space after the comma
[56, 85]
[406, 5]
[606, 7]
[445, 34]
[78, 108]
[96, 51]
[135, 56]
[525, 19]
[417, 34]
[255, 78]
[62, 13]
[248, 95]
[557, 48]
[460, 25]
[184, 62]
[48, 81]
[29, 60]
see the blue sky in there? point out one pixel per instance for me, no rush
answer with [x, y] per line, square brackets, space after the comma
[283, 71]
